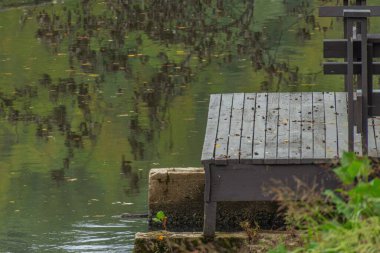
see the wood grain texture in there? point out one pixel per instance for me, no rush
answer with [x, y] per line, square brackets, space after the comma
[307, 128]
[260, 127]
[249, 112]
[376, 127]
[342, 123]
[295, 115]
[372, 147]
[283, 129]
[319, 129]
[221, 146]
[236, 127]
[331, 126]
[211, 128]
[272, 128]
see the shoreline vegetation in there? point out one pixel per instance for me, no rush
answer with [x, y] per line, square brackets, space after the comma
[7, 4]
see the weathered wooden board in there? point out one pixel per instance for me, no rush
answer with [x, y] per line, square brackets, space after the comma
[358, 143]
[260, 127]
[212, 127]
[319, 134]
[376, 125]
[307, 128]
[295, 113]
[246, 145]
[272, 128]
[340, 68]
[338, 11]
[342, 123]
[236, 127]
[331, 127]
[372, 148]
[283, 129]
[221, 146]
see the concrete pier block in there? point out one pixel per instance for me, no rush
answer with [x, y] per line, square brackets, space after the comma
[179, 193]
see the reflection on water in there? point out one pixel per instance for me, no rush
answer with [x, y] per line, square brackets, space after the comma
[92, 236]
[95, 93]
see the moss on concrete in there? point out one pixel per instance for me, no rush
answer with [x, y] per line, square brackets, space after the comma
[162, 241]
[188, 216]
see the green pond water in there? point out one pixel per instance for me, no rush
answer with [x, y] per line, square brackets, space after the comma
[95, 93]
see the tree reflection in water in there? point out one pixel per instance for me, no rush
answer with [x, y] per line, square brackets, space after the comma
[110, 38]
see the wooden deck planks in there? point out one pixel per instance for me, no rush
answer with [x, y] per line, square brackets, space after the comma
[236, 127]
[221, 146]
[272, 128]
[283, 129]
[376, 125]
[260, 127]
[342, 123]
[295, 114]
[249, 112]
[372, 147]
[319, 129]
[307, 128]
[358, 143]
[212, 127]
[331, 126]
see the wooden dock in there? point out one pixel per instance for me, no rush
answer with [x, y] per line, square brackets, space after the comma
[255, 139]
[281, 128]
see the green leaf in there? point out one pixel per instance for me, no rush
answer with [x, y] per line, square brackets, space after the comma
[347, 159]
[366, 190]
[160, 215]
[156, 220]
[342, 174]
[352, 168]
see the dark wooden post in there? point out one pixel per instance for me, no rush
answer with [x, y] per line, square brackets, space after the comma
[360, 98]
[349, 83]
[364, 83]
[209, 219]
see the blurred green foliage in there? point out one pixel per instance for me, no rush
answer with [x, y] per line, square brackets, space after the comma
[349, 218]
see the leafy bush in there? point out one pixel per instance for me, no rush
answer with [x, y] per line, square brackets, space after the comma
[343, 220]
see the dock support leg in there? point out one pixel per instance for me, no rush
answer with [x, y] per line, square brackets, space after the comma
[209, 219]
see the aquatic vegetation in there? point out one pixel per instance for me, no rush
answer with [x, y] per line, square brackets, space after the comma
[342, 220]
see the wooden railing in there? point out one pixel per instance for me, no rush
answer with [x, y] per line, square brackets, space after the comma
[358, 49]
